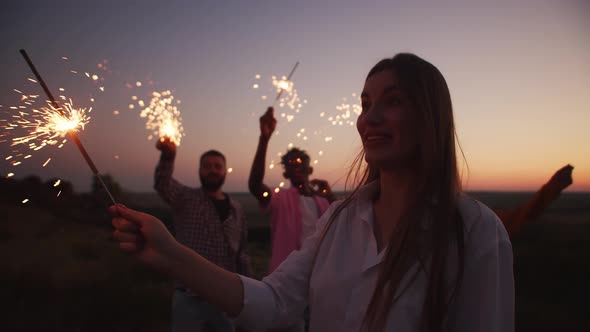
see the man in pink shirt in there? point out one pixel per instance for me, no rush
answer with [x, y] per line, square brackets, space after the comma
[294, 211]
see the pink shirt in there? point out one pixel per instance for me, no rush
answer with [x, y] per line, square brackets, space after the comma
[286, 224]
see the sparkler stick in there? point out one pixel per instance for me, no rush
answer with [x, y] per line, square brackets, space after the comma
[72, 134]
[282, 89]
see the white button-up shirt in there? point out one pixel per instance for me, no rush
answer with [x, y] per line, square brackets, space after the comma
[339, 286]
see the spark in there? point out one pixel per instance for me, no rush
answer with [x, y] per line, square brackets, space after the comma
[265, 194]
[25, 200]
[47, 124]
[10, 175]
[229, 170]
[163, 117]
[57, 183]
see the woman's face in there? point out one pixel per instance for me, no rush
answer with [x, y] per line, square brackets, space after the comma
[387, 124]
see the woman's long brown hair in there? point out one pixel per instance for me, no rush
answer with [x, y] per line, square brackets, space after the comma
[434, 198]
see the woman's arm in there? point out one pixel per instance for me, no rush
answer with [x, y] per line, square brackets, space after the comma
[276, 301]
[147, 238]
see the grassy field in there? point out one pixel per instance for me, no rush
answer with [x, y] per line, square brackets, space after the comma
[62, 272]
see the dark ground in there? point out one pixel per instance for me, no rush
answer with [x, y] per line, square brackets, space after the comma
[60, 270]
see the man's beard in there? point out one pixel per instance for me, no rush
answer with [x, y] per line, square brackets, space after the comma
[211, 185]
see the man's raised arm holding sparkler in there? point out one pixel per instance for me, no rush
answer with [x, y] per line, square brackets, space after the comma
[166, 186]
[207, 221]
[268, 123]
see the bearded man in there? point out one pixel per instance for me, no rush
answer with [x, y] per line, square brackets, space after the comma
[207, 221]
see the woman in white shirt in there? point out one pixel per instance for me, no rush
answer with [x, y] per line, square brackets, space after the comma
[406, 251]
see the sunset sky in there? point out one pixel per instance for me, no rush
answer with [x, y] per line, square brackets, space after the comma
[519, 75]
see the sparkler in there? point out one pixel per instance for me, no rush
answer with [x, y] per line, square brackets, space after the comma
[163, 117]
[290, 106]
[285, 84]
[66, 123]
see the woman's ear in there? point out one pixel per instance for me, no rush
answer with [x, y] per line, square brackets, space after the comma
[310, 170]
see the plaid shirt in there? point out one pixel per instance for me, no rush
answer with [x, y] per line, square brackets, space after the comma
[198, 225]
